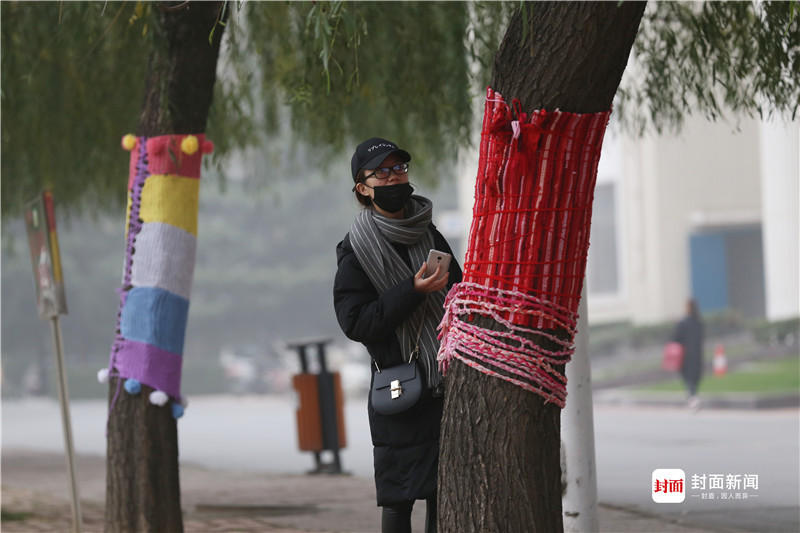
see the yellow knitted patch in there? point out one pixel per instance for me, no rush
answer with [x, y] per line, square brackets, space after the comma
[172, 200]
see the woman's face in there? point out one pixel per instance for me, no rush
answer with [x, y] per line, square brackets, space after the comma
[393, 178]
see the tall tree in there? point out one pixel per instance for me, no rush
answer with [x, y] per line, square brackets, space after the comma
[143, 485]
[500, 446]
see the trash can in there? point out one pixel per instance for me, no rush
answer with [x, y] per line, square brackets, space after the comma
[320, 408]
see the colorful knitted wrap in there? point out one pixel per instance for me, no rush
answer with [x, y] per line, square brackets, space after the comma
[161, 234]
[527, 249]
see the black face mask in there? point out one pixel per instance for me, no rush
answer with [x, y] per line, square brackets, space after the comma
[392, 198]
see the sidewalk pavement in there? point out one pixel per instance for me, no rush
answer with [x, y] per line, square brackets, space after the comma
[733, 400]
[35, 498]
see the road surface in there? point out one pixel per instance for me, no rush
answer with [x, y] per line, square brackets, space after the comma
[258, 434]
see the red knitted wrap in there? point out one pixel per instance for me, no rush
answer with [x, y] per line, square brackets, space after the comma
[528, 241]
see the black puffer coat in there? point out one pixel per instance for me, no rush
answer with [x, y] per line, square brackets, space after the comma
[406, 445]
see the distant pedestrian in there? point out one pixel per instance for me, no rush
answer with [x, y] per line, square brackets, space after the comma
[383, 300]
[690, 335]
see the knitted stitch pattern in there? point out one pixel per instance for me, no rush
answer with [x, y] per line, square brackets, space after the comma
[161, 230]
[528, 244]
[162, 252]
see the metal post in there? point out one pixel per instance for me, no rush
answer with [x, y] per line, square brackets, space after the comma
[323, 365]
[63, 398]
[301, 353]
[579, 502]
[327, 409]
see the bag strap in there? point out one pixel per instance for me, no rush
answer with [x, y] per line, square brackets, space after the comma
[415, 351]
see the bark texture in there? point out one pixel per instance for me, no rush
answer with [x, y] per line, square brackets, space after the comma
[573, 55]
[182, 70]
[142, 481]
[499, 467]
[499, 456]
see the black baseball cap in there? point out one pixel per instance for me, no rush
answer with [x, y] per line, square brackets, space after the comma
[370, 154]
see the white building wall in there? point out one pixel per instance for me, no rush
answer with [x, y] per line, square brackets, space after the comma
[612, 305]
[468, 172]
[780, 171]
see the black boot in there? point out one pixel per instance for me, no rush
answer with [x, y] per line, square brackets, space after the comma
[396, 518]
[430, 515]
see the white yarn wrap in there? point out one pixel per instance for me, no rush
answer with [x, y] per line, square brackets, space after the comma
[165, 257]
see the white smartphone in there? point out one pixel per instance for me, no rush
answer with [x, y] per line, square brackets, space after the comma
[437, 258]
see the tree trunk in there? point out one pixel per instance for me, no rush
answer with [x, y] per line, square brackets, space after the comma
[142, 483]
[499, 468]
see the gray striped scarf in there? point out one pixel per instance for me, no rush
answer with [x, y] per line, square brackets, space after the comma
[371, 236]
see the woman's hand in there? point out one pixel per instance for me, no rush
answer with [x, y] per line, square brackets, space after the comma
[433, 283]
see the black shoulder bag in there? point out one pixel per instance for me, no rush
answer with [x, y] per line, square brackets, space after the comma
[398, 388]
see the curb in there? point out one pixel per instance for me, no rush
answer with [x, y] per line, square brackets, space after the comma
[717, 401]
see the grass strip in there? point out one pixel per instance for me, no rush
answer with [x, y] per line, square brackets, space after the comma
[11, 516]
[765, 377]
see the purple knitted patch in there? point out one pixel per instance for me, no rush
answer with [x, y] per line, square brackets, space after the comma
[150, 365]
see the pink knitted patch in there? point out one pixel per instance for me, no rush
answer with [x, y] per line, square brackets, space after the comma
[165, 156]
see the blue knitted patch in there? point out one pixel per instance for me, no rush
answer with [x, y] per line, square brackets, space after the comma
[156, 317]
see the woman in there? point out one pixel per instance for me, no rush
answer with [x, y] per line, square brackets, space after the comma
[689, 333]
[383, 300]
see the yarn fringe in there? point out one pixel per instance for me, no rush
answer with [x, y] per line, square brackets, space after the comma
[514, 352]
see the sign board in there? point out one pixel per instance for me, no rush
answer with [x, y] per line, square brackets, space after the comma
[40, 221]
